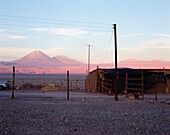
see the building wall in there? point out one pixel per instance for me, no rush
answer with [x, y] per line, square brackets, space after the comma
[168, 86]
[91, 82]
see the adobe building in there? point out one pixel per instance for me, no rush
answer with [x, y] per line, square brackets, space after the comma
[129, 80]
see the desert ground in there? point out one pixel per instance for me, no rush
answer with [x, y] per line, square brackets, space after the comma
[33, 112]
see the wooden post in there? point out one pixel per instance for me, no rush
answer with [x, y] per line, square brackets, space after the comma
[76, 85]
[156, 81]
[61, 82]
[142, 86]
[126, 85]
[67, 85]
[97, 89]
[13, 82]
[168, 83]
[43, 82]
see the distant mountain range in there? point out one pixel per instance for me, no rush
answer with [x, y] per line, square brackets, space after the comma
[152, 64]
[38, 62]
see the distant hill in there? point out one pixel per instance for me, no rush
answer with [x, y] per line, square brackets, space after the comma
[152, 64]
[38, 62]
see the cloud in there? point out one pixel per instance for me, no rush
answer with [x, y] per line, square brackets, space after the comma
[156, 46]
[40, 29]
[161, 53]
[97, 34]
[124, 48]
[131, 35]
[54, 51]
[162, 35]
[156, 43]
[68, 32]
[153, 42]
[15, 37]
[62, 31]
[12, 37]
[13, 53]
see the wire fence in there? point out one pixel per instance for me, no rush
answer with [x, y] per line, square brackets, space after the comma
[45, 81]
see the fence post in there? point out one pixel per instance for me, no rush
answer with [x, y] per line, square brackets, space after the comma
[67, 85]
[156, 79]
[76, 85]
[142, 86]
[43, 83]
[13, 82]
[126, 85]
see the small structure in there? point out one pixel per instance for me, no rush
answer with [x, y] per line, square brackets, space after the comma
[129, 81]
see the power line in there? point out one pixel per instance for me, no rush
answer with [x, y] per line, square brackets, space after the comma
[107, 44]
[48, 22]
[107, 49]
[34, 26]
[50, 19]
[34, 21]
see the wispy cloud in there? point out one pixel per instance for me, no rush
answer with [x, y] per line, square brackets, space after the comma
[131, 35]
[156, 43]
[15, 37]
[13, 53]
[12, 37]
[68, 32]
[40, 29]
[145, 53]
[162, 35]
[155, 46]
[53, 51]
[158, 46]
[62, 31]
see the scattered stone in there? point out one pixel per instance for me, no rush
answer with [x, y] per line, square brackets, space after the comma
[97, 115]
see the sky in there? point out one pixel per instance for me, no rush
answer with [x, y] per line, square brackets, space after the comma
[67, 27]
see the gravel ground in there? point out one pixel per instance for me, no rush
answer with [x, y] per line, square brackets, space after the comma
[49, 113]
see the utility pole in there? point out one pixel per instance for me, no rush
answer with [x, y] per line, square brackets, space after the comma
[116, 70]
[88, 69]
